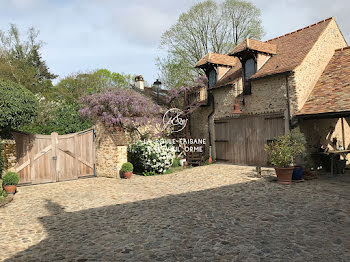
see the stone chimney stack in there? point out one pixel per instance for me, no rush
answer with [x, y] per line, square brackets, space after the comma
[139, 82]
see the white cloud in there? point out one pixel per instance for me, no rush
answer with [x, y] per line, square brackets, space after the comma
[143, 24]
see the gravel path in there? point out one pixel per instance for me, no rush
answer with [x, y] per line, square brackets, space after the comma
[210, 213]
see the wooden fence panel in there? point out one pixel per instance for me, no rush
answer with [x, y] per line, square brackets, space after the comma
[53, 158]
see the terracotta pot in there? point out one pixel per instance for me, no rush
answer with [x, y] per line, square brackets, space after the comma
[284, 175]
[127, 175]
[10, 189]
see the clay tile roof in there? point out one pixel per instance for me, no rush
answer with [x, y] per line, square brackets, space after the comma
[251, 44]
[331, 93]
[218, 59]
[292, 48]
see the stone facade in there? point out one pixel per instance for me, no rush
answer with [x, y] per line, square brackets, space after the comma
[310, 70]
[268, 95]
[8, 155]
[111, 151]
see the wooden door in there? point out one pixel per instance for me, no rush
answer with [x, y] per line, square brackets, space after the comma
[242, 140]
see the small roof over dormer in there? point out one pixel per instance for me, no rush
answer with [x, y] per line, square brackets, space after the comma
[216, 59]
[254, 45]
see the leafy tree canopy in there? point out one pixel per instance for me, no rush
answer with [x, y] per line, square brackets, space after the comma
[21, 61]
[61, 117]
[18, 106]
[206, 27]
[73, 87]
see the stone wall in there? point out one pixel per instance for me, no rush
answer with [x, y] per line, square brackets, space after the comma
[111, 151]
[8, 154]
[268, 95]
[307, 74]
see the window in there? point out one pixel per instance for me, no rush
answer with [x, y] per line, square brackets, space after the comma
[249, 70]
[212, 77]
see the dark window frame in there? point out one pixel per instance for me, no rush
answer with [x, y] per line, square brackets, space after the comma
[247, 86]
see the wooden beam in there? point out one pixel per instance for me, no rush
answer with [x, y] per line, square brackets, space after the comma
[342, 131]
[19, 168]
[80, 159]
[42, 152]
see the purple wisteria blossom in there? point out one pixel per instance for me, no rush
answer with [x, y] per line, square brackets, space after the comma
[121, 108]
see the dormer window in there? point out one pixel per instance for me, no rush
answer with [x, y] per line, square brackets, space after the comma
[248, 53]
[249, 70]
[212, 77]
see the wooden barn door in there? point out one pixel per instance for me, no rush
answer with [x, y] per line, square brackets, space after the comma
[242, 140]
[43, 158]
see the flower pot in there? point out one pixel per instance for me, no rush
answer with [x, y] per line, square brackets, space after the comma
[127, 175]
[284, 175]
[10, 189]
[298, 173]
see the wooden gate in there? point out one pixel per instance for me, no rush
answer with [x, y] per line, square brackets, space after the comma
[53, 158]
[241, 140]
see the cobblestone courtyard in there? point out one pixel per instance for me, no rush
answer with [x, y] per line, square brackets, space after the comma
[209, 213]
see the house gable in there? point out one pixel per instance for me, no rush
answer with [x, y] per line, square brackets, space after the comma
[309, 71]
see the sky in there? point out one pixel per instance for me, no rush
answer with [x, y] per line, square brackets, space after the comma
[124, 36]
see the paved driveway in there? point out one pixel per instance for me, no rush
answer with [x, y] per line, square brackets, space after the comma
[217, 212]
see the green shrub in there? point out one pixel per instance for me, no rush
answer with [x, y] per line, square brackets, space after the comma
[18, 105]
[3, 194]
[10, 178]
[152, 155]
[148, 173]
[283, 151]
[127, 167]
[57, 116]
[176, 162]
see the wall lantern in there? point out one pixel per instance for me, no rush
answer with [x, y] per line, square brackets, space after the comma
[157, 84]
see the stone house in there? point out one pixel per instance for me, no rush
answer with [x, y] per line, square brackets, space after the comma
[263, 89]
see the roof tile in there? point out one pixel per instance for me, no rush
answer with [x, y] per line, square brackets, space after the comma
[331, 93]
[218, 59]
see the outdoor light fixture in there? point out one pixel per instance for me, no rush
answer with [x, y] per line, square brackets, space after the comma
[157, 84]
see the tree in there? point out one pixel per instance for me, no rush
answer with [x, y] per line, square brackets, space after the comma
[123, 108]
[61, 117]
[18, 106]
[207, 27]
[75, 86]
[21, 61]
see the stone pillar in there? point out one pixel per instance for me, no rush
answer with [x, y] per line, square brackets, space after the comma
[8, 155]
[111, 151]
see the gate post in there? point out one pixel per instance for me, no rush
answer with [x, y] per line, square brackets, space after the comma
[55, 171]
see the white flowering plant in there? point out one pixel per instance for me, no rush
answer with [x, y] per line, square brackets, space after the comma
[151, 155]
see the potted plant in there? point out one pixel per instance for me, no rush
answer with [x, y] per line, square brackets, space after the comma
[127, 169]
[9, 182]
[282, 153]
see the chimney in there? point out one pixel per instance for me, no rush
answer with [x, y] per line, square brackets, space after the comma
[139, 82]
